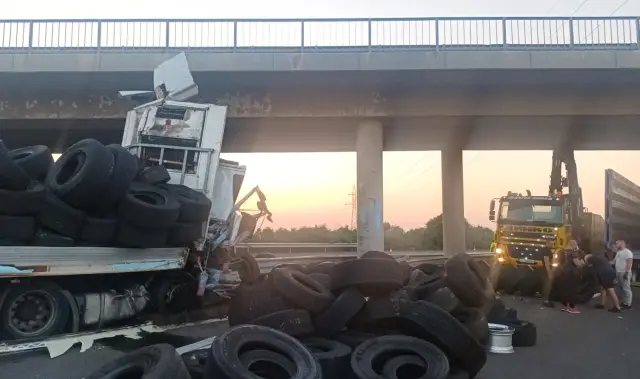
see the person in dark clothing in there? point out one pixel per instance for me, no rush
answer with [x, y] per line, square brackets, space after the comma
[606, 280]
[547, 258]
[570, 259]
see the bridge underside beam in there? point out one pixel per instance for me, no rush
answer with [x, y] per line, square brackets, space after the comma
[339, 134]
[310, 102]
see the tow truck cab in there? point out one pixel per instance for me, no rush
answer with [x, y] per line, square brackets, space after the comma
[524, 225]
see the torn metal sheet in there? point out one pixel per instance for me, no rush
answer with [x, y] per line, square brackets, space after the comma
[57, 346]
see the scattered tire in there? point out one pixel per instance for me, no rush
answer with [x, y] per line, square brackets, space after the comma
[223, 360]
[324, 279]
[429, 268]
[525, 333]
[445, 299]
[402, 366]
[155, 361]
[334, 357]
[125, 168]
[371, 276]
[195, 363]
[321, 268]
[428, 322]
[194, 206]
[20, 228]
[425, 285]
[475, 321]
[48, 238]
[128, 235]
[81, 173]
[407, 270]
[153, 175]
[466, 280]
[456, 373]
[268, 364]
[336, 317]
[302, 290]
[436, 365]
[376, 254]
[49, 310]
[247, 266]
[253, 301]
[508, 279]
[294, 322]
[354, 338]
[35, 161]
[60, 217]
[99, 231]
[22, 203]
[182, 234]
[531, 283]
[12, 177]
[149, 207]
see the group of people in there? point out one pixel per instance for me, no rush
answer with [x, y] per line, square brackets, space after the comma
[613, 275]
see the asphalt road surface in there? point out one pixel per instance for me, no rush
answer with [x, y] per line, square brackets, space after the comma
[592, 345]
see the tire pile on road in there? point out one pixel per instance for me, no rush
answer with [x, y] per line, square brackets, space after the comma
[365, 318]
[93, 195]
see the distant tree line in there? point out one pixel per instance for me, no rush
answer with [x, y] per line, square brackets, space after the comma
[429, 237]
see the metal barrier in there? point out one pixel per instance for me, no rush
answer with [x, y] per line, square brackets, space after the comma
[484, 33]
[267, 264]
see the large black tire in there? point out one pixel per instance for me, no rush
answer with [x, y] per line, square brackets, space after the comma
[152, 362]
[99, 231]
[50, 318]
[294, 322]
[466, 279]
[12, 177]
[371, 276]
[34, 160]
[429, 322]
[183, 234]
[253, 301]
[20, 228]
[22, 203]
[336, 317]
[81, 173]
[125, 168]
[223, 360]
[373, 351]
[149, 207]
[129, 235]
[531, 283]
[525, 333]
[334, 357]
[60, 217]
[153, 175]
[302, 290]
[509, 279]
[194, 205]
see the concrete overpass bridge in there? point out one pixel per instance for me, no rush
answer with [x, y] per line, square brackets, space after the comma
[341, 85]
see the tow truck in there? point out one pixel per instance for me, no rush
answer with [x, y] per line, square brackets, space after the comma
[525, 223]
[46, 291]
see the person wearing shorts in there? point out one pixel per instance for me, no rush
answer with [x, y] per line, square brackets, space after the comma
[606, 280]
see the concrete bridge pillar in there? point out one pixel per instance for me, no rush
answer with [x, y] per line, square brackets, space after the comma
[453, 222]
[369, 147]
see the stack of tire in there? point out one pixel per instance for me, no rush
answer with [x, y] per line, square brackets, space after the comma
[94, 195]
[367, 318]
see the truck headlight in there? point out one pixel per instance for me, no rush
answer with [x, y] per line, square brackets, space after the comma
[498, 250]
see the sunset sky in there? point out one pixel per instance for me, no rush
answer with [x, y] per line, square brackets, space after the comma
[313, 188]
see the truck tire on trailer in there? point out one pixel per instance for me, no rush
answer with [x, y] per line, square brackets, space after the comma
[34, 160]
[21, 203]
[81, 173]
[149, 207]
[194, 205]
[12, 177]
[34, 310]
[125, 169]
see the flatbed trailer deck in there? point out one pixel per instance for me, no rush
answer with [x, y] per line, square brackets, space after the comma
[30, 261]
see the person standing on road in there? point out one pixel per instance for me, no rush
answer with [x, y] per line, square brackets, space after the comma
[570, 260]
[606, 276]
[547, 259]
[623, 263]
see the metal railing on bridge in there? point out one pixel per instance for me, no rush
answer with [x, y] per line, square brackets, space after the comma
[379, 34]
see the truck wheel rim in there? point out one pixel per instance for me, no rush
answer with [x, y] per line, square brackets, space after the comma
[32, 313]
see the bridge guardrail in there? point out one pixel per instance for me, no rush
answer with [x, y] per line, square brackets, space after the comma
[374, 34]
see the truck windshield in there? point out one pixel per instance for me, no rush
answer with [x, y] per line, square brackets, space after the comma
[532, 211]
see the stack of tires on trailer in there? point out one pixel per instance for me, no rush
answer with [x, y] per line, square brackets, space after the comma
[371, 317]
[94, 195]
